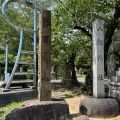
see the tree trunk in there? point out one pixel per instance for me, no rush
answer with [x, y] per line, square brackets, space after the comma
[0, 70]
[71, 61]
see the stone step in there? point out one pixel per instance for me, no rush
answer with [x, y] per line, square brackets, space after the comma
[16, 82]
[24, 73]
[26, 63]
[28, 52]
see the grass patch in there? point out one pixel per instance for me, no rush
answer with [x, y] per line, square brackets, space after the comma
[70, 95]
[81, 75]
[4, 110]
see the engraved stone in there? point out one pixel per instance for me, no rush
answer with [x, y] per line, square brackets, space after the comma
[98, 59]
[44, 56]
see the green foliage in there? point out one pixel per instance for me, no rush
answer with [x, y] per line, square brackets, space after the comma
[70, 95]
[72, 28]
[65, 39]
[20, 15]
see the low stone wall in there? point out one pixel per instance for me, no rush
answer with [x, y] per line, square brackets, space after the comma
[114, 85]
[114, 90]
[17, 95]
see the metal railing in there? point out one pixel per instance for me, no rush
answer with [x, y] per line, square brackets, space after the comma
[28, 3]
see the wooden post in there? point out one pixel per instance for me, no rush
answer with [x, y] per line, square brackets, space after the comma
[44, 56]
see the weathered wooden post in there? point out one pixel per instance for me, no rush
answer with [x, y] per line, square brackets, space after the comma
[44, 56]
[98, 59]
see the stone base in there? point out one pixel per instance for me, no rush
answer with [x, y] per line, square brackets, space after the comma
[17, 95]
[2, 90]
[101, 107]
[35, 110]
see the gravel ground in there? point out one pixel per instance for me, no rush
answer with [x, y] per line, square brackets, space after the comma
[73, 96]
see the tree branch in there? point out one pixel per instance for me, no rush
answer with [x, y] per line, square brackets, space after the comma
[84, 31]
[60, 1]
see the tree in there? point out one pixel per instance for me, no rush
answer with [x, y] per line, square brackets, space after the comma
[66, 43]
[78, 15]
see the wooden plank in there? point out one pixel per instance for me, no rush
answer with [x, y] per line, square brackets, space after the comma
[28, 52]
[26, 63]
[24, 73]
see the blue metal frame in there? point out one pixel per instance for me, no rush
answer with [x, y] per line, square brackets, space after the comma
[17, 59]
[6, 62]
[29, 4]
[35, 34]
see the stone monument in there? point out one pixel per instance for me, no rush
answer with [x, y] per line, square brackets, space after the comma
[98, 59]
[44, 56]
[99, 105]
[53, 74]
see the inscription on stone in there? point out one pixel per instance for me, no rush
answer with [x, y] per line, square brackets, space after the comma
[100, 77]
[98, 59]
[45, 80]
[99, 29]
[100, 42]
[44, 56]
[46, 22]
[46, 38]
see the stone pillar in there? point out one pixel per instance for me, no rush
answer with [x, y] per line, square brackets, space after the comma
[53, 74]
[44, 56]
[98, 59]
[67, 77]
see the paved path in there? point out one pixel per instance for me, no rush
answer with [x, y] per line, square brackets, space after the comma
[81, 80]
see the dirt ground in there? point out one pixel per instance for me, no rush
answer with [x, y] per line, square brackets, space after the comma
[73, 96]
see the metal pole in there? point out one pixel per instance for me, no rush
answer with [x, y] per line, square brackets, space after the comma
[35, 34]
[6, 62]
[17, 59]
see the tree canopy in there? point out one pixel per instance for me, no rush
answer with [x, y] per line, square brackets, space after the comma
[78, 15]
[71, 28]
